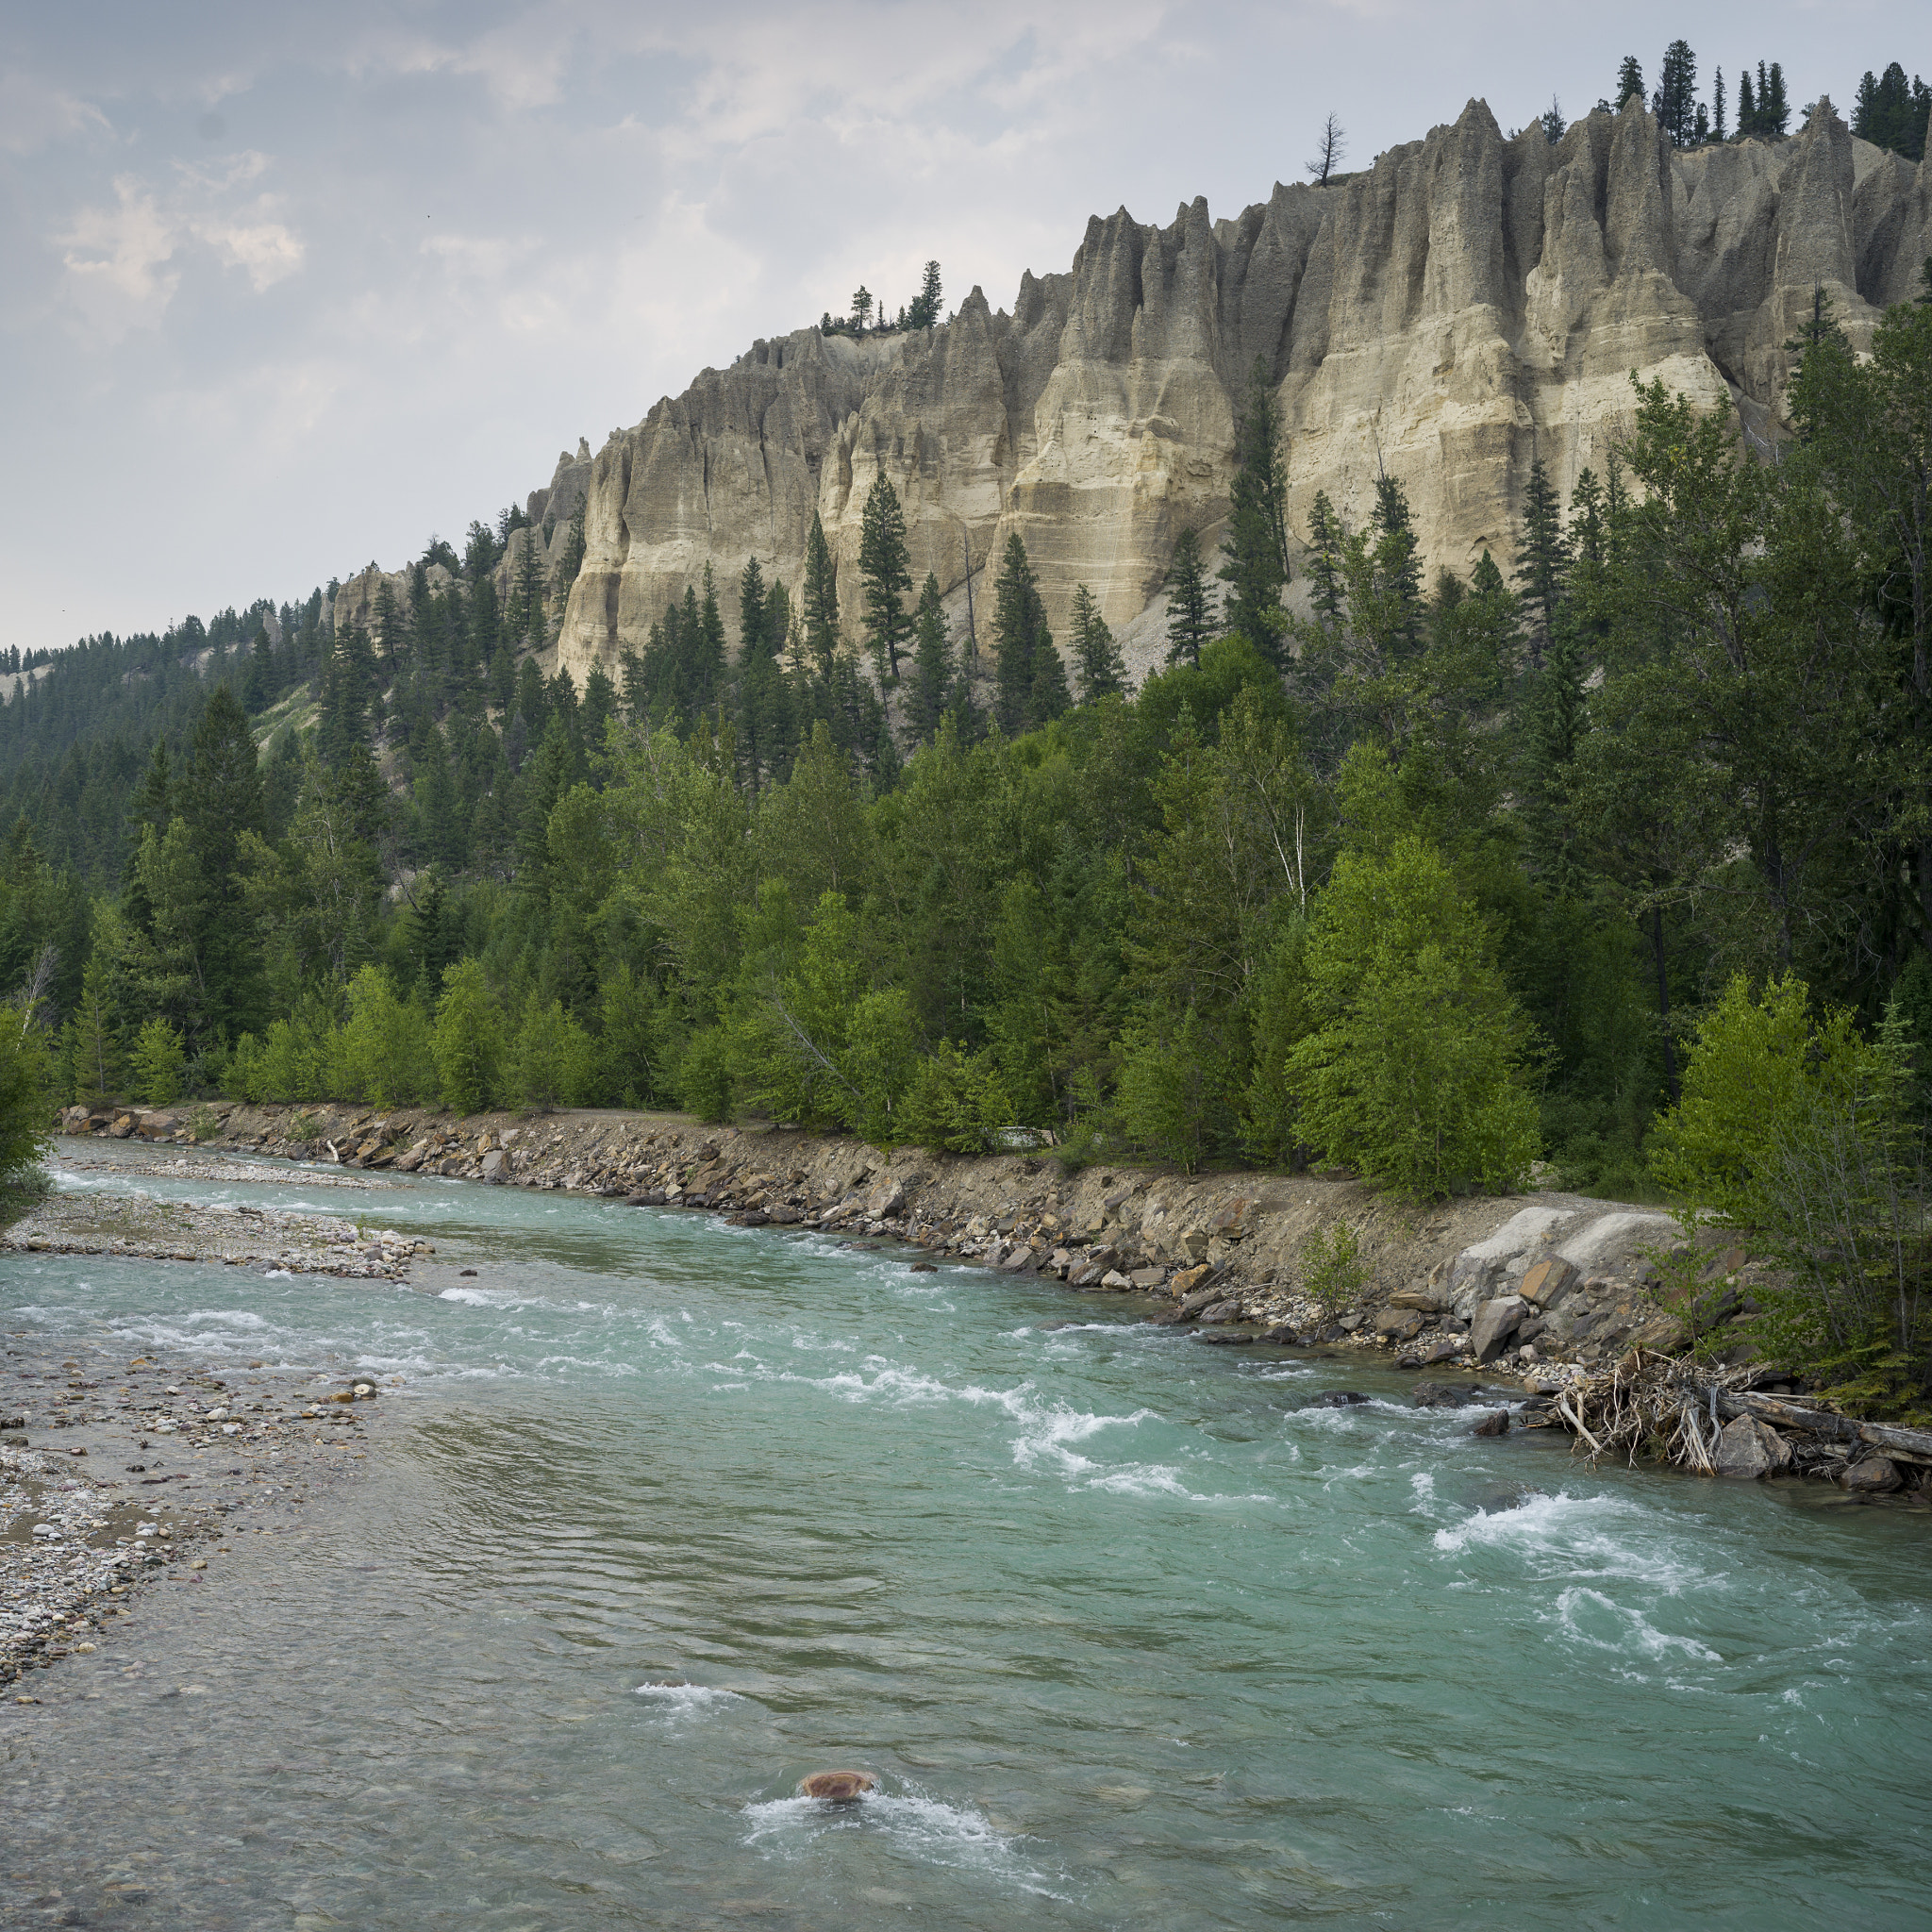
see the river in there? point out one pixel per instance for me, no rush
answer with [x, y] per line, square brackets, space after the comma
[1130, 1632]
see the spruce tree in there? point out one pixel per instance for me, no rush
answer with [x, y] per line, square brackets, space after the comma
[1717, 105]
[883, 569]
[708, 658]
[1103, 670]
[932, 664]
[1747, 106]
[1677, 94]
[1629, 81]
[1024, 676]
[259, 686]
[821, 600]
[1398, 565]
[1326, 539]
[1255, 547]
[1541, 559]
[1190, 603]
[753, 637]
[925, 309]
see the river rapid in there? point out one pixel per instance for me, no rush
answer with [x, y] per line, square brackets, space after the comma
[667, 1514]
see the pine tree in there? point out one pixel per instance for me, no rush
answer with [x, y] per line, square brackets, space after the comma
[753, 637]
[926, 310]
[527, 598]
[821, 600]
[1542, 559]
[1255, 547]
[1025, 676]
[1326, 538]
[1629, 81]
[1677, 94]
[1398, 566]
[883, 568]
[1190, 603]
[259, 686]
[1553, 122]
[932, 664]
[1747, 106]
[1097, 655]
[708, 657]
[1717, 106]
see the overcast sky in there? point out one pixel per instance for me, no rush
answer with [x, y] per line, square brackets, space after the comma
[286, 289]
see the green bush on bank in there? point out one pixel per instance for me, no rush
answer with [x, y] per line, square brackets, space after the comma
[1801, 1134]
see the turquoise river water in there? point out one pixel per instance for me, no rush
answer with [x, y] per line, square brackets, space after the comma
[670, 1513]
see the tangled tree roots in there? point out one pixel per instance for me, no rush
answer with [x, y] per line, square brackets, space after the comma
[1658, 1404]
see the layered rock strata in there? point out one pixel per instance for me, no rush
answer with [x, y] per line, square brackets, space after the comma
[1464, 307]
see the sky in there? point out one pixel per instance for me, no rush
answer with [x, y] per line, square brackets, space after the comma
[286, 290]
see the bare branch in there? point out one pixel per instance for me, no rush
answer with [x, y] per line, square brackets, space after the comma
[1330, 145]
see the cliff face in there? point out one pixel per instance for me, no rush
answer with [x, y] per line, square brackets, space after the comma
[1465, 305]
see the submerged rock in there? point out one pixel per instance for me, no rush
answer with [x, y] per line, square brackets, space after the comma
[1495, 1424]
[837, 1786]
[1336, 1398]
[1446, 1394]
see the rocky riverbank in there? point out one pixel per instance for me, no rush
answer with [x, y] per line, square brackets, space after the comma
[1551, 1291]
[119, 1476]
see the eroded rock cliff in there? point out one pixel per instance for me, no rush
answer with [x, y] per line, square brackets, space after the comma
[1463, 306]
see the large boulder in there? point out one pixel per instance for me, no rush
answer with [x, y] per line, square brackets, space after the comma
[1495, 1323]
[1876, 1475]
[1748, 1448]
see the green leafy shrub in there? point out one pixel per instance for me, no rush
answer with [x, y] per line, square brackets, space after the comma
[384, 1052]
[25, 1076]
[955, 1102]
[705, 1086]
[1330, 1264]
[551, 1062]
[468, 1042]
[1800, 1133]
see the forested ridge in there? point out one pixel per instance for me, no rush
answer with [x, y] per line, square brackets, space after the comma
[1436, 881]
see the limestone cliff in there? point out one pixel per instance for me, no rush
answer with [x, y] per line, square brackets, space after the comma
[1463, 306]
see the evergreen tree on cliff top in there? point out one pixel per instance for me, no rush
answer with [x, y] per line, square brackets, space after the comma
[1629, 81]
[1255, 547]
[924, 313]
[883, 568]
[1676, 95]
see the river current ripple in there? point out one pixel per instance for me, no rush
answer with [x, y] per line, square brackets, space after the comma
[1128, 1632]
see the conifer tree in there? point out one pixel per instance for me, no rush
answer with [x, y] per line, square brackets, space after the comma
[708, 658]
[1190, 603]
[1629, 81]
[1398, 567]
[1542, 559]
[1256, 548]
[821, 600]
[927, 306]
[1677, 94]
[754, 639]
[1097, 655]
[932, 662]
[1717, 106]
[1747, 105]
[883, 568]
[1030, 680]
[259, 686]
[527, 598]
[1326, 539]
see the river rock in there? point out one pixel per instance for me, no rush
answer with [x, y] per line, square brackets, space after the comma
[1495, 1424]
[1876, 1475]
[1221, 1311]
[837, 1786]
[1446, 1394]
[1336, 1398]
[1495, 1323]
[496, 1166]
[1748, 1448]
[1399, 1324]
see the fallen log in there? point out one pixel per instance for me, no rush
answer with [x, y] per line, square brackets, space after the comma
[1909, 1445]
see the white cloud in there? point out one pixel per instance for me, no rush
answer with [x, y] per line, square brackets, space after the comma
[125, 262]
[34, 115]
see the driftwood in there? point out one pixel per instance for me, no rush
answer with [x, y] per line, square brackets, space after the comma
[1674, 1409]
[1902, 1445]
